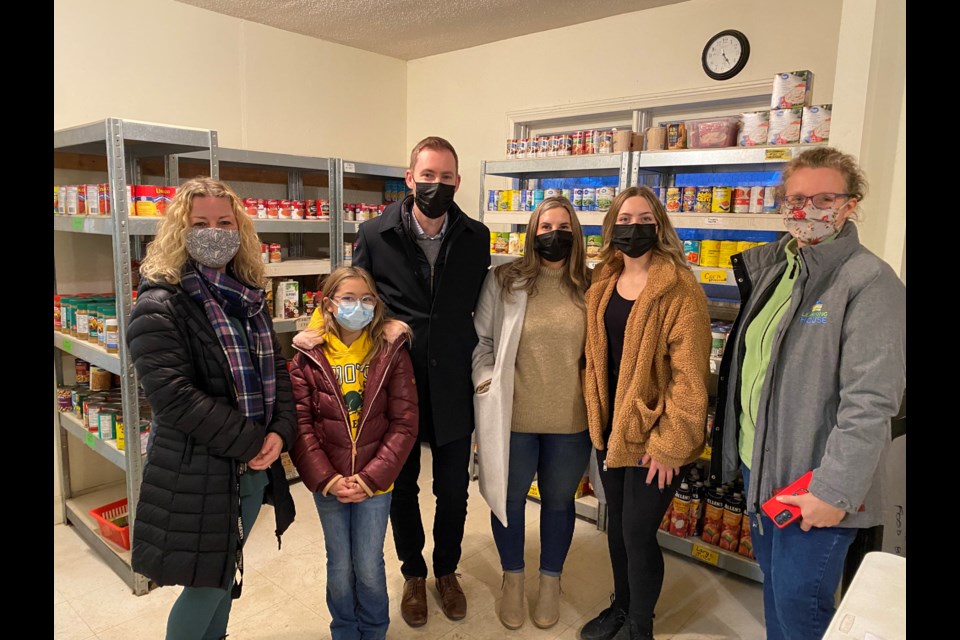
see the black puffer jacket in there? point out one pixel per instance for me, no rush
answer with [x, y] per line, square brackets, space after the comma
[185, 531]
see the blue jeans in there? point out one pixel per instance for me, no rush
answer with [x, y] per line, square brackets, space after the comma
[801, 573]
[353, 535]
[203, 612]
[559, 460]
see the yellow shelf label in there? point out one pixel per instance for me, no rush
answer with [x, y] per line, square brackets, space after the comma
[68, 346]
[703, 553]
[77, 223]
[302, 323]
[713, 276]
[778, 154]
[90, 440]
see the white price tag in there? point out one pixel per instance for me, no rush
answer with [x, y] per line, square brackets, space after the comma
[302, 323]
[712, 220]
[349, 167]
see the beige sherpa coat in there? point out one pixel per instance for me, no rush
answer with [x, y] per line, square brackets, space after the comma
[661, 400]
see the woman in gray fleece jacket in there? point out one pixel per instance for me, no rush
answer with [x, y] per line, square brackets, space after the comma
[814, 370]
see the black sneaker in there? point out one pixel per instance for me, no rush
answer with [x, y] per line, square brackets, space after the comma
[606, 625]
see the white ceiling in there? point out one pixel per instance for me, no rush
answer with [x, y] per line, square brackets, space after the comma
[409, 29]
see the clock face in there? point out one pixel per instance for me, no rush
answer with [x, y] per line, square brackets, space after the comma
[725, 55]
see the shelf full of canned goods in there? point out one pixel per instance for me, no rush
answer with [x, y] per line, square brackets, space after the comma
[754, 155]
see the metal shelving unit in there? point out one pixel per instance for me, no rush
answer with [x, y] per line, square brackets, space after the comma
[297, 267]
[125, 143]
[339, 169]
[738, 221]
[709, 554]
[618, 164]
[761, 156]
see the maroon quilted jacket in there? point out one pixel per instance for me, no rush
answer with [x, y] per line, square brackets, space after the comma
[324, 450]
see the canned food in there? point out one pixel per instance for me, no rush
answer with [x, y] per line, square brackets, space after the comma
[691, 249]
[65, 400]
[709, 253]
[261, 208]
[275, 253]
[493, 241]
[538, 195]
[71, 199]
[107, 423]
[283, 211]
[604, 141]
[273, 209]
[756, 199]
[554, 148]
[543, 146]
[594, 244]
[311, 211]
[578, 199]
[511, 148]
[250, 205]
[348, 251]
[566, 145]
[506, 198]
[743, 245]
[718, 338]
[576, 148]
[673, 199]
[350, 212]
[741, 200]
[704, 200]
[552, 193]
[568, 194]
[721, 200]
[605, 196]
[323, 209]
[515, 200]
[727, 249]
[689, 199]
[264, 253]
[589, 199]
[589, 142]
[297, 208]
[523, 145]
[493, 196]
[82, 371]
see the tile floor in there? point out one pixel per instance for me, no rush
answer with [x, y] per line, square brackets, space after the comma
[283, 594]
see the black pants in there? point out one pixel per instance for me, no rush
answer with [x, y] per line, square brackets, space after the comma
[634, 512]
[451, 481]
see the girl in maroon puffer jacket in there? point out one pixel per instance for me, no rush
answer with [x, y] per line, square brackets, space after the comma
[357, 412]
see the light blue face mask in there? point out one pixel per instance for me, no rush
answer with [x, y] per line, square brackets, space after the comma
[353, 317]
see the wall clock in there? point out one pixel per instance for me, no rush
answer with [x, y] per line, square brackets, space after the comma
[725, 54]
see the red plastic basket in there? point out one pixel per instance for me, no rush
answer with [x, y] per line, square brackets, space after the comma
[103, 515]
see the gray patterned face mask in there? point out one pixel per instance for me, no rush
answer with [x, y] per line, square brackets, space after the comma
[212, 247]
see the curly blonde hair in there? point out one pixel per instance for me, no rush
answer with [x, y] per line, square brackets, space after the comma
[668, 242]
[167, 254]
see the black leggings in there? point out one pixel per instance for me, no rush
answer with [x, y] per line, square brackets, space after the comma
[634, 512]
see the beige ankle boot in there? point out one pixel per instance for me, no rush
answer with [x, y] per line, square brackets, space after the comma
[547, 611]
[512, 607]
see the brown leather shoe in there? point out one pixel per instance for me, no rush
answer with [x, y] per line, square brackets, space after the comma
[452, 600]
[413, 604]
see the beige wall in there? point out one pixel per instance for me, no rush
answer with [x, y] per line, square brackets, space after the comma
[467, 95]
[261, 88]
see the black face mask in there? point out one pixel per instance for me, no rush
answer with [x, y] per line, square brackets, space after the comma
[634, 239]
[434, 198]
[555, 245]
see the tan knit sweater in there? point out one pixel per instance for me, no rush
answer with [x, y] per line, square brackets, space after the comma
[661, 401]
[547, 389]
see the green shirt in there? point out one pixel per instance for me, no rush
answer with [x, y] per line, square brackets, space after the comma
[758, 343]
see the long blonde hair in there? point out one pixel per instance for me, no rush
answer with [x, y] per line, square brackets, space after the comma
[668, 242]
[522, 273]
[167, 254]
[329, 288]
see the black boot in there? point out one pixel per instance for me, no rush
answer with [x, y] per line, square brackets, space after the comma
[633, 630]
[606, 625]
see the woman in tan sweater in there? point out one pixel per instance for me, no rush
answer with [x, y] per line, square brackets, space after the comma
[530, 413]
[647, 354]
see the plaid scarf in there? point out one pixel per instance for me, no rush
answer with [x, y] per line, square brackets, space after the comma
[220, 294]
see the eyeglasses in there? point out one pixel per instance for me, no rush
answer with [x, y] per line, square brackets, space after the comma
[368, 302]
[820, 200]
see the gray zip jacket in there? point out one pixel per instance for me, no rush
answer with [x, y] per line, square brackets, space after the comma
[836, 376]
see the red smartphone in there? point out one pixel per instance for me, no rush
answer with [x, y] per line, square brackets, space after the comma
[784, 514]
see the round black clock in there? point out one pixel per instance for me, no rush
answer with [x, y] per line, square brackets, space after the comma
[725, 54]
